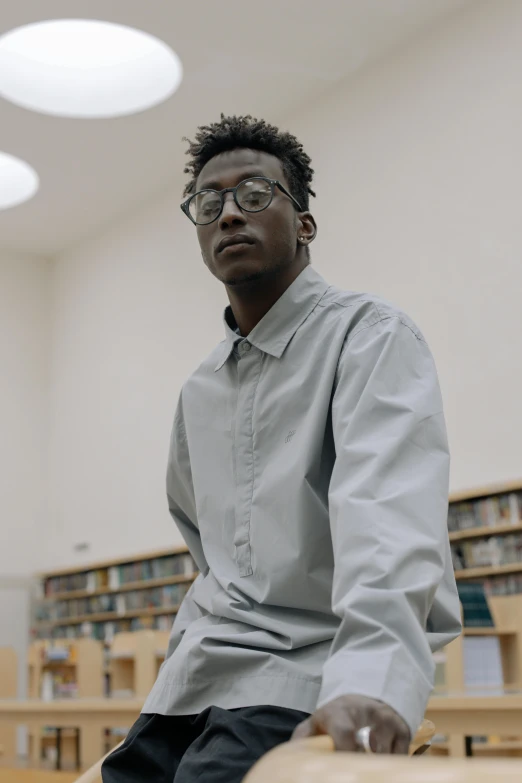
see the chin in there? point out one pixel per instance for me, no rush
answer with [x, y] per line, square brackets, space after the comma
[240, 271]
[237, 278]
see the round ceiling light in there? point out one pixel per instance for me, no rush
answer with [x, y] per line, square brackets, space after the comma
[86, 68]
[18, 181]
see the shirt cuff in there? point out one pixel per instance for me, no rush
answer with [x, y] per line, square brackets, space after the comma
[388, 677]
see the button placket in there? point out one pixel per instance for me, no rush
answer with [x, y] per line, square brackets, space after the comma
[248, 368]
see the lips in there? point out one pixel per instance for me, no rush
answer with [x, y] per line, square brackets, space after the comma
[236, 239]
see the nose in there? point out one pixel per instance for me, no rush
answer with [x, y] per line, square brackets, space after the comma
[231, 214]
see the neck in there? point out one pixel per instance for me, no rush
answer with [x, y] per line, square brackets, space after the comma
[251, 301]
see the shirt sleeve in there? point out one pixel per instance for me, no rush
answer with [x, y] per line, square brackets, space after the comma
[182, 507]
[388, 502]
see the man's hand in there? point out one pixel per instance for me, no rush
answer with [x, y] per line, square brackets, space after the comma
[344, 716]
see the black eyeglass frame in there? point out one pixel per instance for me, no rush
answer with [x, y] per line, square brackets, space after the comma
[185, 207]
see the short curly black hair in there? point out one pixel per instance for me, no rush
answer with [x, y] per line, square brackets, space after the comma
[236, 132]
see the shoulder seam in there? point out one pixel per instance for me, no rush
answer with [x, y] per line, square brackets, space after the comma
[380, 320]
[381, 316]
[341, 304]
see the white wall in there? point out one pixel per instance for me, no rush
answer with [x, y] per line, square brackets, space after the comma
[15, 596]
[418, 174]
[24, 430]
[24, 412]
[133, 314]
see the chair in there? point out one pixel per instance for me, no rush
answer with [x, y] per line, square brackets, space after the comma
[319, 745]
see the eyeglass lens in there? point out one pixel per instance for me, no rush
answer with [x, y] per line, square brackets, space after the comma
[252, 195]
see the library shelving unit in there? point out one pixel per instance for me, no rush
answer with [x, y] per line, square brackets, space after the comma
[103, 629]
[450, 678]
[58, 669]
[485, 530]
[112, 600]
[145, 591]
[65, 668]
[102, 599]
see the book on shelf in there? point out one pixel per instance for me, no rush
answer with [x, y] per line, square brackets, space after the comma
[475, 607]
[58, 685]
[110, 594]
[168, 596]
[510, 584]
[59, 654]
[97, 580]
[153, 598]
[492, 551]
[483, 663]
[495, 511]
[157, 568]
[59, 584]
[112, 577]
[105, 630]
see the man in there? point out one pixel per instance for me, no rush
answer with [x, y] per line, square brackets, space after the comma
[308, 475]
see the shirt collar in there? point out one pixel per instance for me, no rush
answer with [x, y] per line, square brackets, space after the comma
[275, 330]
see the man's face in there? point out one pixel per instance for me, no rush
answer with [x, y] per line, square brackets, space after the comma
[272, 232]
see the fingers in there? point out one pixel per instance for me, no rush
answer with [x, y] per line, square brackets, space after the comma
[340, 724]
[388, 734]
[303, 730]
[344, 737]
[333, 721]
[311, 727]
[382, 738]
[401, 743]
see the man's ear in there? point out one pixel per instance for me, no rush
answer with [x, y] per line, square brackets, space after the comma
[307, 227]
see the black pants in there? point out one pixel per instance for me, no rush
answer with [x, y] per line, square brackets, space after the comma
[216, 746]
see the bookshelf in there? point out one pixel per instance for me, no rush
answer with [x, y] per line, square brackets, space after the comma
[485, 531]
[145, 591]
[63, 669]
[102, 630]
[452, 673]
[114, 596]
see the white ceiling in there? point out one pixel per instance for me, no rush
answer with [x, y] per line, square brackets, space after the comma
[265, 59]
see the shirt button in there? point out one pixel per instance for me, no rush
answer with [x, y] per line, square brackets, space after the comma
[246, 346]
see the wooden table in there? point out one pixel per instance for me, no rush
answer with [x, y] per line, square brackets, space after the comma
[464, 714]
[456, 715]
[91, 716]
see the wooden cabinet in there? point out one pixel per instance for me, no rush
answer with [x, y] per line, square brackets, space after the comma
[8, 690]
[73, 667]
[135, 660]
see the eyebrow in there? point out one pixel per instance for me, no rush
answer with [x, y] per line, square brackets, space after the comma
[215, 184]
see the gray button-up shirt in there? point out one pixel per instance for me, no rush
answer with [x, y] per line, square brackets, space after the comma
[308, 474]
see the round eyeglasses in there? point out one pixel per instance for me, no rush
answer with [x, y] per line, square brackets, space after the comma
[251, 195]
